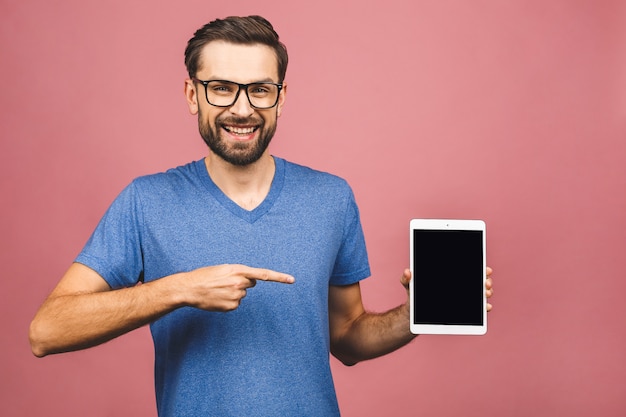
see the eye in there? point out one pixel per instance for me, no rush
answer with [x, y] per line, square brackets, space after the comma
[222, 88]
[260, 89]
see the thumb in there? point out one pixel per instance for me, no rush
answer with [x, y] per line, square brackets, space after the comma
[406, 278]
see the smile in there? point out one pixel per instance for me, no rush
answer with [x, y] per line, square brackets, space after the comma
[240, 130]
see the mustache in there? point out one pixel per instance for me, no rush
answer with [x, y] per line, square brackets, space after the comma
[240, 121]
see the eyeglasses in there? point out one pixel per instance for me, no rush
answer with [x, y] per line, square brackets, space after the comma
[222, 93]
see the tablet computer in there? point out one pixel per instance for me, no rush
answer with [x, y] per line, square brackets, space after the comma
[448, 267]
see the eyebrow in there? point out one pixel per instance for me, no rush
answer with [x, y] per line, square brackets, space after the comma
[264, 80]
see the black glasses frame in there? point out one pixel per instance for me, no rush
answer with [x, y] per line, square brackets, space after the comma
[241, 86]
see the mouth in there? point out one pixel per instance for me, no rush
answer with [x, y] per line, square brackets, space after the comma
[240, 130]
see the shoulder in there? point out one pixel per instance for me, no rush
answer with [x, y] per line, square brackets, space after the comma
[176, 185]
[171, 178]
[311, 189]
[310, 177]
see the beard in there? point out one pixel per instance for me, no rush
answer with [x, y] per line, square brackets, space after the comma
[239, 154]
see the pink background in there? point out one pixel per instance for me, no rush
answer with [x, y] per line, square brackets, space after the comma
[509, 111]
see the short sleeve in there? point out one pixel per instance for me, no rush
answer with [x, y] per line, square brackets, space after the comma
[114, 249]
[352, 264]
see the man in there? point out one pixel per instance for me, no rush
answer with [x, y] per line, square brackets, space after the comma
[200, 237]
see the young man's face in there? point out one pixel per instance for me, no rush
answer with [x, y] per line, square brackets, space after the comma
[239, 134]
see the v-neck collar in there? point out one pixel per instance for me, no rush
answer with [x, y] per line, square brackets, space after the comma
[250, 216]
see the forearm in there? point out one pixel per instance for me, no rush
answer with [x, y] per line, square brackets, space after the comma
[77, 321]
[373, 334]
[82, 311]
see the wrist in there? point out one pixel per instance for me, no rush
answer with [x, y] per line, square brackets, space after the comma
[171, 290]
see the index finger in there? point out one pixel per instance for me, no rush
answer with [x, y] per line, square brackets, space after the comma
[269, 275]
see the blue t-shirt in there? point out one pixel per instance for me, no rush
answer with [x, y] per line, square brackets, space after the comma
[269, 357]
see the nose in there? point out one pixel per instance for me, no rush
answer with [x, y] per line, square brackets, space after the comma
[242, 107]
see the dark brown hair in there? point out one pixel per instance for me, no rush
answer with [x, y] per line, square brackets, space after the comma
[248, 30]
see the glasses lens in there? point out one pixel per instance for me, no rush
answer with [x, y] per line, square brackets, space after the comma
[224, 93]
[263, 95]
[221, 93]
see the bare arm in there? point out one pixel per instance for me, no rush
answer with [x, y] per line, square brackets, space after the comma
[357, 335]
[83, 311]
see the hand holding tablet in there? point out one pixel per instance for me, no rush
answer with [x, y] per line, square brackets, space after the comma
[448, 267]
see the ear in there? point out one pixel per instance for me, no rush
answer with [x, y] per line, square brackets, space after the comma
[191, 94]
[281, 100]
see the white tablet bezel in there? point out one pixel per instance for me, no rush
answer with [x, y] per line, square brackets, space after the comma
[447, 224]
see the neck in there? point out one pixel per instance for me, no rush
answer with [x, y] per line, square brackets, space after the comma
[246, 185]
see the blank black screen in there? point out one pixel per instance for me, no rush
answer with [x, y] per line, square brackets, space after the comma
[448, 273]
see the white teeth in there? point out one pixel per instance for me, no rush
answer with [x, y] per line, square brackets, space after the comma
[240, 130]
